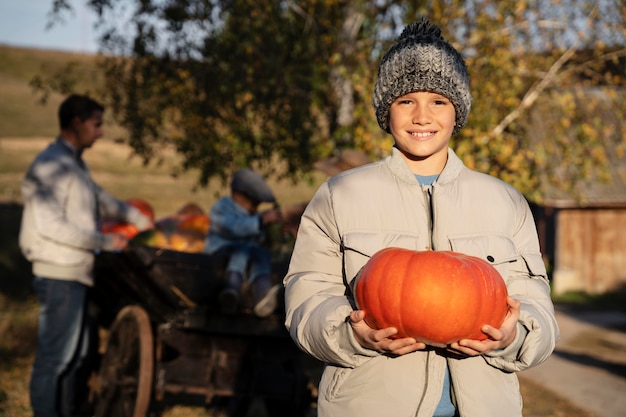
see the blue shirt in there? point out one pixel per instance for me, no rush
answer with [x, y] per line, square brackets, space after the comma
[445, 408]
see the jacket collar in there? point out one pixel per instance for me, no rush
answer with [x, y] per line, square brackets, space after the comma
[65, 145]
[72, 151]
[401, 170]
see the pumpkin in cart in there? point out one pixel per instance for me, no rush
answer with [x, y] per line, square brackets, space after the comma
[187, 240]
[436, 297]
[199, 222]
[112, 226]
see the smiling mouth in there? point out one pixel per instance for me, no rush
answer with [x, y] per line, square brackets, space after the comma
[422, 134]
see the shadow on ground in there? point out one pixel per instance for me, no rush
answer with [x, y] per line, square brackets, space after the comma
[589, 360]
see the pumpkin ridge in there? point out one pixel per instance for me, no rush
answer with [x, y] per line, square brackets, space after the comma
[482, 298]
[401, 283]
[375, 293]
[391, 283]
[370, 296]
[456, 273]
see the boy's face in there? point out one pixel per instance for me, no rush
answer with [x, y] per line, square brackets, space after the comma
[247, 203]
[421, 124]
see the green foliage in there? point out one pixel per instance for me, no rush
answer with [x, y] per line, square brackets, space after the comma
[243, 82]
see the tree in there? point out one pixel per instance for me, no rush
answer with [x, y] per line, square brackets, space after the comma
[281, 84]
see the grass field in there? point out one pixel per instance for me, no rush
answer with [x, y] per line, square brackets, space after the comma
[21, 114]
[124, 176]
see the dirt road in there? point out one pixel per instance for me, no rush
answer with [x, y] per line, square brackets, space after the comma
[589, 365]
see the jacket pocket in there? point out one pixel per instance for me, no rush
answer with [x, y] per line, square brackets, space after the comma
[498, 250]
[359, 247]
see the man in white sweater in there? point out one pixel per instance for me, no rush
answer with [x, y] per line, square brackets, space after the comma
[59, 235]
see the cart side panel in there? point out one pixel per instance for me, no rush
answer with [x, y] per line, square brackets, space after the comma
[163, 282]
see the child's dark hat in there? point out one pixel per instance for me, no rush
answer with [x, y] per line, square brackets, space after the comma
[252, 185]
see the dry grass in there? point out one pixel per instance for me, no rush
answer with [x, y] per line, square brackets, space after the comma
[541, 402]
[17, 343]
[114, 168]
[21, 114]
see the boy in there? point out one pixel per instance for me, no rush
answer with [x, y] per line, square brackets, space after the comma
[421, 197]
[237, 231]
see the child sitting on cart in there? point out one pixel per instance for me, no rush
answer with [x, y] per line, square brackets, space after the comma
[237, 232]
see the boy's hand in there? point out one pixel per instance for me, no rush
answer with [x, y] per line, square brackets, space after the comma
[119, 241]
[496, 338]
[271, 216]
[380, 340]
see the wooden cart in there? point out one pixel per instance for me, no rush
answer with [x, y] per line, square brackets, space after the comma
[168, 344]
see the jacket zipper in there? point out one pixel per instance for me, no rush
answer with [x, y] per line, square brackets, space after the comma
[431, 216]
[428, 195]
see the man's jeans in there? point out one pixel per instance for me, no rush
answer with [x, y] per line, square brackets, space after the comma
[60, 347]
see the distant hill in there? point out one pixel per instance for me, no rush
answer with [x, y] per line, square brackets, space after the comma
[21, 113]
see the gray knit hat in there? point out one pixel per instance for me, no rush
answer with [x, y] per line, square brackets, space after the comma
[422, 60]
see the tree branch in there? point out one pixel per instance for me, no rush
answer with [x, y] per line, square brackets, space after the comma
[532, 95]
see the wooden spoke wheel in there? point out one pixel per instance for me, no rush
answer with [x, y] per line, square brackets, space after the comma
[126, 371]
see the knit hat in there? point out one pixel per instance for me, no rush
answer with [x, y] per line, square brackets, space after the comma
[422, 60]
[252, 185]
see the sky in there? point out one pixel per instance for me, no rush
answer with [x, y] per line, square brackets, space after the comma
[23, 24]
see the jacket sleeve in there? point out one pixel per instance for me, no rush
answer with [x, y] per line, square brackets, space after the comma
[527, 282]
[315, 295]
[111, 207]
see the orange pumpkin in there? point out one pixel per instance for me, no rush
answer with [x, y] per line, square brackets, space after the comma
[437, 297]
[199, 222]
[143, 206]
[190, 209]
[187, 240]
[111, 226]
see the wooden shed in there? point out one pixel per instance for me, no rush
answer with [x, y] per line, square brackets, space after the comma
[584, 246]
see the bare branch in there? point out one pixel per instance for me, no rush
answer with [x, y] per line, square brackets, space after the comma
[532, 95]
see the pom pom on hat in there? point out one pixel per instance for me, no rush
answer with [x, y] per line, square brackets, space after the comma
[422, 60]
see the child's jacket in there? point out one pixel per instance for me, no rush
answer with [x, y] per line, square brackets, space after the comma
[357, 213]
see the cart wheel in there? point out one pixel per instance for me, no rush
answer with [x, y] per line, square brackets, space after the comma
[127, 367]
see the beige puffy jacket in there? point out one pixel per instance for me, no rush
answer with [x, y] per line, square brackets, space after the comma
[361, 211]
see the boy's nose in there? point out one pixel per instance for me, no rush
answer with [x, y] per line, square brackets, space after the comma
[421, 116]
